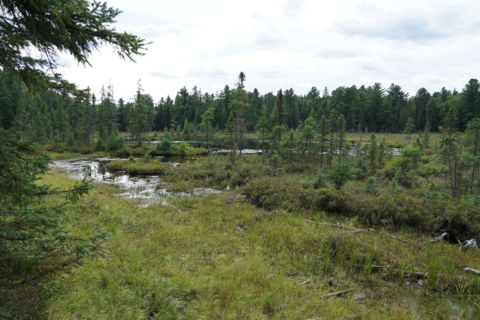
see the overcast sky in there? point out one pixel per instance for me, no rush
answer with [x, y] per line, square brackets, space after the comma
[289, 44]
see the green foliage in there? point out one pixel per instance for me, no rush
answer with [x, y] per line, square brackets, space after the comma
[115, 143]
[320, 181]
[75, 27]
[340, 174]
[461, 221]
[371, 186]
[34, 238]
[140, 167]
[100, 145]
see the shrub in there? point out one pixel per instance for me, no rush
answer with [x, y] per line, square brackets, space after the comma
[320, 181]
[115, 143]
[371, 186]
[100, 145]
[340, 174]
[164, 145]
[461, 221]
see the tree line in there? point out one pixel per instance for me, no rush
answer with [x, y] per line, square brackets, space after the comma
[50, 116]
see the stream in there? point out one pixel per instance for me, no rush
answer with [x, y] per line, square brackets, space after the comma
[147, 189]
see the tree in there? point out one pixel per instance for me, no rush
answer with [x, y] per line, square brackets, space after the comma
[307, 135]
[341, 136]
[372, 153]
[236, 120]
[410, 128]
[73, 26]
[139, 120]
[323, 131]
[34, 241]
[263, 130]
[340, 174]
[470, 104]
[473, 150]
[279, 113]
[333, 128]
[107, 115]
[207, 118]
[449, 151]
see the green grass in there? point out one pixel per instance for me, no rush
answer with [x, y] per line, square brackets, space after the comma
[138, 167]
[394, 140]
[207, 258]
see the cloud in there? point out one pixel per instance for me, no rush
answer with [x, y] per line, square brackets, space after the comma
[214, 73]
[290, 43]
[270, 39]
[292, 7]
[336, 53]
[162, 75]
[413, 29]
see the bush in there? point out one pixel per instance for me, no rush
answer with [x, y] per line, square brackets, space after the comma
[100, 145]
[371, 186]
[164, 145]
[461, 221]
[115, 143]
[320, 181]
[340, 174]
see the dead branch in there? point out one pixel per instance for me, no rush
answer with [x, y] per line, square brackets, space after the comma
[336, 294]
[474, 271]
[440, 237]
[305, 282]
[415, 274]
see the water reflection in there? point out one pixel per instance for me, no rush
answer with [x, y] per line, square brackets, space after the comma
[132, 187]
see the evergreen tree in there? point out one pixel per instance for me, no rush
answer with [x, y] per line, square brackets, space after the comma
[236, 121]
[341, 124]
[278, 113]
[139, 119]
[410, 128]
[449, 151]
[473, 149]
[207, 118]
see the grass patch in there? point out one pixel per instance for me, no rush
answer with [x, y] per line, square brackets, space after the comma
[206, 258]
[138, 167]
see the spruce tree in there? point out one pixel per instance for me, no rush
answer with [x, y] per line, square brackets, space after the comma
[236, 120]
[34, 239]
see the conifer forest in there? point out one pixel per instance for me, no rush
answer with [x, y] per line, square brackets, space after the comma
[347, 202]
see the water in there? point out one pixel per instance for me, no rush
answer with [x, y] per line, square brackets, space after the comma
[147, 189]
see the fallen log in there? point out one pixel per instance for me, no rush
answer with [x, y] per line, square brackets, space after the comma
[440, 237]
[336, 294]
[416, 274]
[474, 271]
[305, 282]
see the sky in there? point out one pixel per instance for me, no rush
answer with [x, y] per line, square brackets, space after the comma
[288, 44]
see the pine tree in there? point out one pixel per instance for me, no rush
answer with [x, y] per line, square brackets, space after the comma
[341, 136]
[263, 130]
[139, 118]
[473, 149]
[449, 151]
[236, 120]
[207, 118]
[279, 113]
[333, 128]
[410, 128]
[323, 131]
